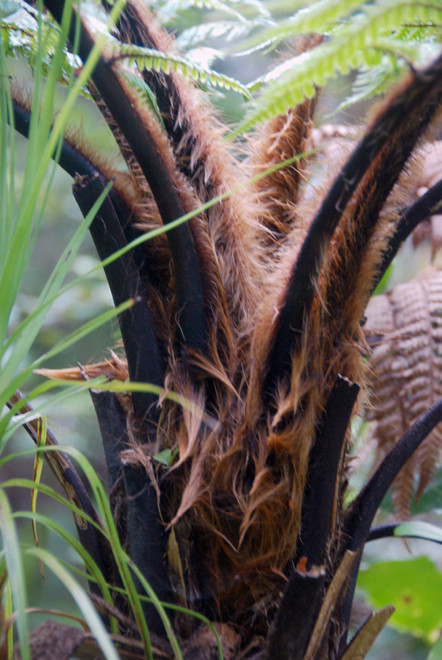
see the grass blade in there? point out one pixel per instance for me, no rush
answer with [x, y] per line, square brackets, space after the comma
[81, 598]
[15, 572]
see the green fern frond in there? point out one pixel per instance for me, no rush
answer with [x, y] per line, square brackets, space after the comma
[147, 58]
[168, 11]
[412, 42]
[318, 17]
[227, 30]
[359, 42]
[19, 34]
[371, 82]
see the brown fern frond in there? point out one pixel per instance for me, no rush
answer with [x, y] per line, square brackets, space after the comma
[114, 369]
[405, 330]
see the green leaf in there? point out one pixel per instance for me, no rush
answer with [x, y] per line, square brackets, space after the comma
[414, 587]
[94, 572]
[166, 457]
[436, 651]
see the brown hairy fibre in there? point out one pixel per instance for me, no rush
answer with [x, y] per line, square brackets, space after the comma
[278, 140]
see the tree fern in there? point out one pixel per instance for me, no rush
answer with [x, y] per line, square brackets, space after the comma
[248, 304]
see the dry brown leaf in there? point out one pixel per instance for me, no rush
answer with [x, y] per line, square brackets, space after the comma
[366, 635]
[404, 328]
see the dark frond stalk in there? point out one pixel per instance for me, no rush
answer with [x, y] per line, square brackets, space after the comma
[386, 531]
[124, 106]
[321, 494]
[211, 169]
[294, 622]
[135, 502]
[300, 604]
[140, 343]
[61, 466]
[360, 514]
[393, 134]
[136, 29]
[429, 204]
[123, 275]
[296, 616]
[188, 129]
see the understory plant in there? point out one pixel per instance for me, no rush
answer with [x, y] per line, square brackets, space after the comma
[241, 264]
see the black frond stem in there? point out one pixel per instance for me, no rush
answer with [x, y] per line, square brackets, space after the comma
[429, 204]
[320, 493]
[385, 531]
[140, 343]
[133, 497]
[123, 275]
[187, 269]
[421, 92]
[360, 514]
[297, 613]
[362, 510]
[135, 31]
[61, 466]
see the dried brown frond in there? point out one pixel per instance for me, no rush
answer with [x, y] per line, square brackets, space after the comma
[405, 330]
[114, 369]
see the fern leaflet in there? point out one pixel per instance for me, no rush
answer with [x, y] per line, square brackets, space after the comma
[147, 58]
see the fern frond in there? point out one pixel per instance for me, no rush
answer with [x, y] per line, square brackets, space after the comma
[228, 30]
[406, 374]
[317, 18]
[146, 93]
[172, 8]
[371, 82]
[359, 42]
[19, 34]
[148, 58]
